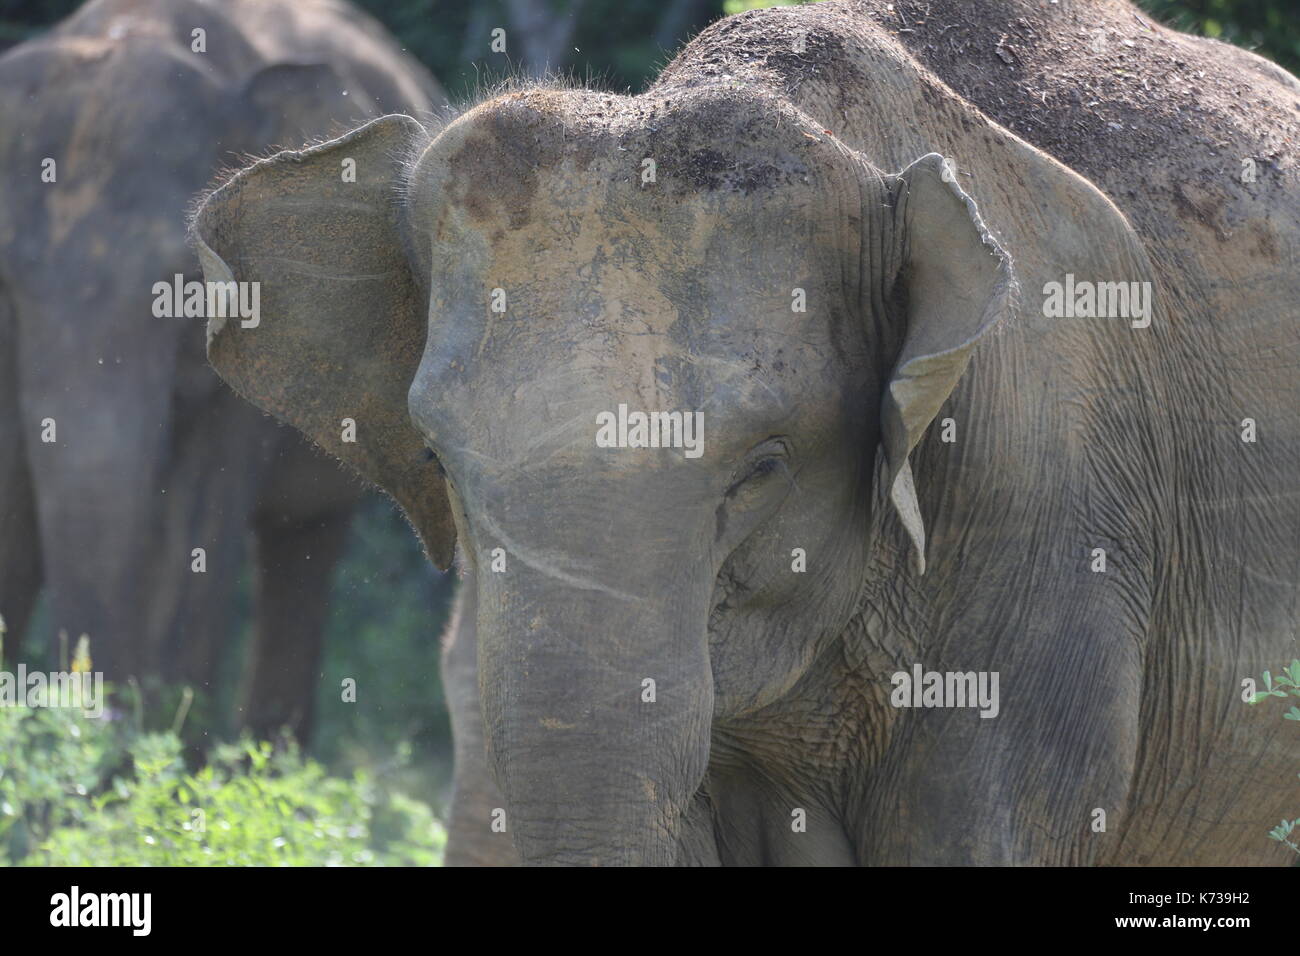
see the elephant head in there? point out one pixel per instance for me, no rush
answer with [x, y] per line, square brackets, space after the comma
[548, 265]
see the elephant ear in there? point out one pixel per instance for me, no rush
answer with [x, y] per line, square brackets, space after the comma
[341, 323]
[957, 283]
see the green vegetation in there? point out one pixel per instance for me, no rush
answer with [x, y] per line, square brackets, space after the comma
[1271, 28]
[79, 791]
[732, 7]
[1286, 684]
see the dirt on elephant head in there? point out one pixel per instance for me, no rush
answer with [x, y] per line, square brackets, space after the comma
[1094, 83]
[1100, 86]
[703, 139]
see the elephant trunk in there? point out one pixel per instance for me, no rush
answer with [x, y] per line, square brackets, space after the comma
[597, 696]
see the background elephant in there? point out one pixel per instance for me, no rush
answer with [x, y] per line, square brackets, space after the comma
[112, 121]
[695, 659]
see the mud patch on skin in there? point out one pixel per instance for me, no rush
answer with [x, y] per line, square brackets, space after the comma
[494, 172]
[715, 138]
[785, 48]
[1108, 104]
[1032, 68]
[1203, 207]
[711, 170]
[712, 138]
[1265, 244]
[489, 172]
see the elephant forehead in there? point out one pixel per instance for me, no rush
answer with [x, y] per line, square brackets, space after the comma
[570, 277]
[597, 280]
[490, 165]
[620, 309]
[600, 269]
[544, 157]
[570, 319]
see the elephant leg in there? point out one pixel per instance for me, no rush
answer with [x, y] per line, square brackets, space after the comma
[20, 555]
[295, 566]
[96, 435]
[471, 840]
[300, 522]
[212, 480]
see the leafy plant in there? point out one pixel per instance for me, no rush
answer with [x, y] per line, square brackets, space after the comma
[79, 791]
[732, 7]
[1286, 684]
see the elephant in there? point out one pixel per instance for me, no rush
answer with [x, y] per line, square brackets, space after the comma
[129, 471]
[472, 839]
[861, 453]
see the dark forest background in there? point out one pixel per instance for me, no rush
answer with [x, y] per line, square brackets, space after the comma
[622, 43]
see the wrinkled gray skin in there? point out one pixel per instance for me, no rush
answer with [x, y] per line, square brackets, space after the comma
[801, 148]
[154, 457]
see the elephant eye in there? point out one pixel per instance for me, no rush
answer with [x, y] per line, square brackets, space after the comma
[765, 460]
[762, 468]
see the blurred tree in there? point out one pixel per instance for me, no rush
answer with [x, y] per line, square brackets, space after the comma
[545, 30]
[615, 43]
[20, 19]
[621, 43]
[1270, 28]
